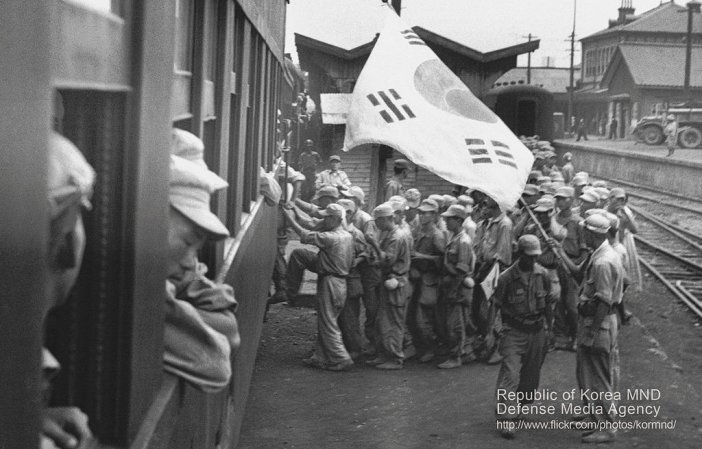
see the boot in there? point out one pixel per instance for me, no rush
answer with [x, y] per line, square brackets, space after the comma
[450, 363]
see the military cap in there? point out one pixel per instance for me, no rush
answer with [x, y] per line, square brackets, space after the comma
[355, 192]
[547, 188]
[595, 211]
[549, 154]
[579, 181]
[539, 155]
[542, 179]
[465, 200]
[565, 192]
[347, 204]
[188, 146]
[584, 174]
[530, 190]
[191, 187]
[333, 210]
[428, 205]
[450, 200]
[599, 183]
[670, 117]
[455, 210]
[597, 223]
[309, 143]
[401, 163]
[534, 174]
[529, 244]
[544, 204]
[602, 192]
[327, 191]
[438, 198]
[398, 203]
[613, 220]
[617, 192]
[590, 197]
[334, 157]
[383, 210]
[568, 156]
[413, 197]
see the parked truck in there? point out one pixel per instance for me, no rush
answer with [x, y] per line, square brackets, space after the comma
[689, 116]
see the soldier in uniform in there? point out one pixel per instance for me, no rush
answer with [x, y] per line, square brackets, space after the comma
[523, 298]
[414, 198]
[568, 170]
[596, 357]
[332, 264]
[394, 185]
[566, 317]
[493, 244]
[394, 261]
[307, 163]
[333, 176]
[427, 256]
[457, 290]
[349, 319]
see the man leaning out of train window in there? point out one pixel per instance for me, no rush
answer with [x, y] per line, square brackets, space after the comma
[201, 330]
[70, 185]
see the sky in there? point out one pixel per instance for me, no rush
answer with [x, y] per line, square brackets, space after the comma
[483, 25]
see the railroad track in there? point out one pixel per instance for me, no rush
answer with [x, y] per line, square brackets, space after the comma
[671, 253]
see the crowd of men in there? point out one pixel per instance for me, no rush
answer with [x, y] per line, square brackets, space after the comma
[453, 279]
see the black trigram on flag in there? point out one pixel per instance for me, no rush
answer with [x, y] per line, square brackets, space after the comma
[412, 38]
[390, 99]
[480, 152]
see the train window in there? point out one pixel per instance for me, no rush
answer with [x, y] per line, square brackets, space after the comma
[88, 333]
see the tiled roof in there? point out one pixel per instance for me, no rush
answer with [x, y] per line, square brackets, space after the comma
[659, 65]
[665, 18]
[553, 79]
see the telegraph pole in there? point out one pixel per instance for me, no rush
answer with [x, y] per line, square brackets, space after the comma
[529, 60]
[692, 8]
[571, 88]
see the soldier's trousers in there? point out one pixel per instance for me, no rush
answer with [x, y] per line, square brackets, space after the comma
[370, 281]
[524, 354]
[280, 268]
[301, 259]
[597, 365]
[427, 316]
[566, 312]
[331, 296]
[349, 320]
[391, 322]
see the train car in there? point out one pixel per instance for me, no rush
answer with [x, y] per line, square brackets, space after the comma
[527, 110]
[114, 77]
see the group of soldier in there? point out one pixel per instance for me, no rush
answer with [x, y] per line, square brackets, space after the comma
[455, 279]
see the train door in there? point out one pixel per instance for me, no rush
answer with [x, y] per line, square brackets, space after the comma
[526, 117]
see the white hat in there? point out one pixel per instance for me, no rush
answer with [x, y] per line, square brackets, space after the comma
[191, 187]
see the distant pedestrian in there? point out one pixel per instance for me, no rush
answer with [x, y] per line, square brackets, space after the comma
[307, 163]
[671, 134]
[568, 170]
[581, 130]
[613, 125]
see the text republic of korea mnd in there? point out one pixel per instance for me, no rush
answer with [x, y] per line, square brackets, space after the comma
[642, 402]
